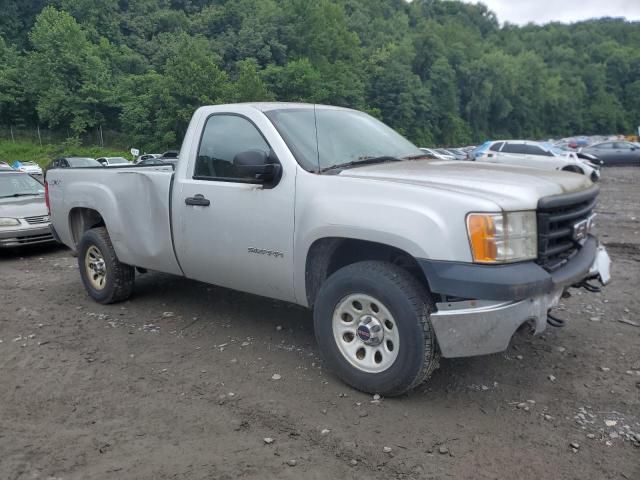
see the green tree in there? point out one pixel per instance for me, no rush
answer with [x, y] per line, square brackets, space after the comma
[67, 78]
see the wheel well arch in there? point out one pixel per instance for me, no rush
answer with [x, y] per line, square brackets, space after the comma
[573, 168]
[82, 219]
[327, 255]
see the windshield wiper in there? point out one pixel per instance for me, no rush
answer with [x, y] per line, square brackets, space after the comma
[19, 195]
[363, 161]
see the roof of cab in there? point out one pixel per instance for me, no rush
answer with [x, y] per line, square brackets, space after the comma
[267, 106]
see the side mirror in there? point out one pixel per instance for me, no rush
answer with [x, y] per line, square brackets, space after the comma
[261, 165]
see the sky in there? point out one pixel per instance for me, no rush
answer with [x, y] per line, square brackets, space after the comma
[544, 11]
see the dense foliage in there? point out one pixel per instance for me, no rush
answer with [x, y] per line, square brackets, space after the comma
[441, 72]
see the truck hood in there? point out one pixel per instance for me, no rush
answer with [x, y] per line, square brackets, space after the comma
[21, 207]
[510, 187]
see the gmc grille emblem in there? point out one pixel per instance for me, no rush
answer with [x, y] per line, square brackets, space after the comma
[583, 228]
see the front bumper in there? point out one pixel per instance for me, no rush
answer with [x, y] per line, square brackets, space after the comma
[507, 299]
[25, 236]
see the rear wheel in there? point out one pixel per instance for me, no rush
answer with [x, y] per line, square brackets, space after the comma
[372, 324]
[105, 278]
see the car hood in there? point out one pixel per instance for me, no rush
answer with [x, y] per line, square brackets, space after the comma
[21, 207]
[510, 187]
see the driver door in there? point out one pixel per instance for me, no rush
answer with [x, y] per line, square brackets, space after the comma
[228, 230]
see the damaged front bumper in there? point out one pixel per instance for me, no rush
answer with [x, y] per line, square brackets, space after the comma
[478, 327]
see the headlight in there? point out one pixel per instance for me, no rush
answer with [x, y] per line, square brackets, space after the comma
[502, 237]
[9, 222]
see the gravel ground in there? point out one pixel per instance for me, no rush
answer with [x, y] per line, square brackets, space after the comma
[191, 381]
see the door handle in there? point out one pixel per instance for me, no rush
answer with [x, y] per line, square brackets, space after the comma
[197, 200]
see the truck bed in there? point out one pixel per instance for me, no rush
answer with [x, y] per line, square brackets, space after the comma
[134, 203]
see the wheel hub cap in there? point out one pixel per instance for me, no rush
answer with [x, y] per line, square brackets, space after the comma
[370, 330]
[366, 333]
[95, 267]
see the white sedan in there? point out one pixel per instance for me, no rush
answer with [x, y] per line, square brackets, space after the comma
[536, 155]
[32, 168]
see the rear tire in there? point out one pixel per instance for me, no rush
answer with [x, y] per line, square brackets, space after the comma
[105, 278]
[372, 324]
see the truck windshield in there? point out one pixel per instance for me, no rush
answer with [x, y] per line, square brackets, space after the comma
[321, 138]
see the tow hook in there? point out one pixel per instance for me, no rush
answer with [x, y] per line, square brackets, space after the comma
[555, 321]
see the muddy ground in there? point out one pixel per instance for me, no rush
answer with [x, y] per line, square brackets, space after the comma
[178, 383]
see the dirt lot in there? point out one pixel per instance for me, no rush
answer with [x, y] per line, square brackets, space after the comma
[178, 383]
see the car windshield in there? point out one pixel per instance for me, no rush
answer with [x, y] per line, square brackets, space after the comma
[18, 185]
[322, 138]
[82, 162]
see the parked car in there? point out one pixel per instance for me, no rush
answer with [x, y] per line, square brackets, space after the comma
[535, 155]
[24, 219]
[74, 162]
[459, 153]
[171, 157]
[147, 156]
[445, 153]
[402, 258]
[589, 158]
[433, 153]
[170, 154]
[111, 161]
[615, 153]
[5, 166]
[27, 167]
[152, 161]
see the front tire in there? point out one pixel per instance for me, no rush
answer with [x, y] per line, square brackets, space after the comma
[372, 324]
[105, 278]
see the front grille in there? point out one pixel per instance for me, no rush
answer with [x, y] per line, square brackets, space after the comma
[37, 220]
[557, 216]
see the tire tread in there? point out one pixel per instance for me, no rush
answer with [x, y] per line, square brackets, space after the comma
[123, 275]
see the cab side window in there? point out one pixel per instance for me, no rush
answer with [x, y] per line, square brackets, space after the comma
[223, 138]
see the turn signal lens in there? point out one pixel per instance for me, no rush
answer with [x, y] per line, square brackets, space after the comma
[502, 237]
[482, 232]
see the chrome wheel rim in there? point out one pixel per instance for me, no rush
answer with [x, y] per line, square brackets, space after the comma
[95, 267]
[366, 333]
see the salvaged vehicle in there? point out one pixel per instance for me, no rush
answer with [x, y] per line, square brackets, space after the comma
[615, 153]
[402, 258]
[535, 155]
[24, 219]
[112, 161]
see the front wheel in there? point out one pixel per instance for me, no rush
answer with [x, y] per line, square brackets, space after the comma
[372, 325]
[104, 277]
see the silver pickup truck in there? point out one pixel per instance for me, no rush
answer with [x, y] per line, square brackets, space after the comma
[403, 259]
